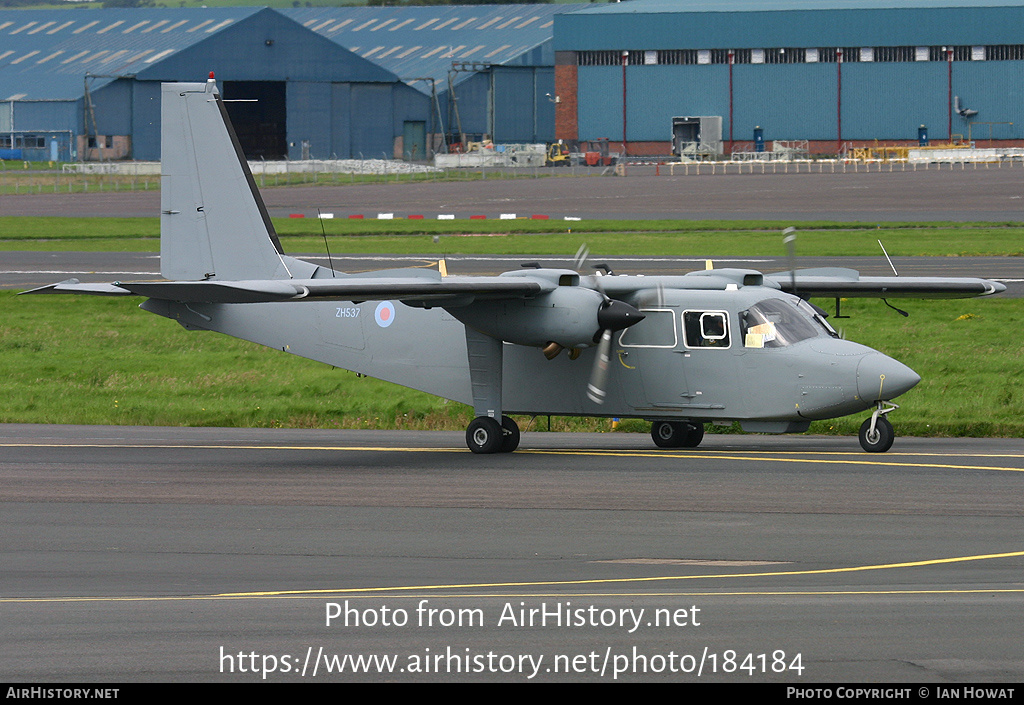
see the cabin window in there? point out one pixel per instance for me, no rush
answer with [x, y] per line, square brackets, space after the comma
[657, 330]
[706, 329]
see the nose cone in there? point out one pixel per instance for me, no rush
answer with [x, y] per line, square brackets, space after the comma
[880, 378]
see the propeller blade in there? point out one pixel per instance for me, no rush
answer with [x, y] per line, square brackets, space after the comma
[652, 298]
[789, 237]
[599, 375]
[581, 257]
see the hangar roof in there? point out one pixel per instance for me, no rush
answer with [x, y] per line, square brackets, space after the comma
[419, 42]
[654, 6]
[47, 54]
[713, 24]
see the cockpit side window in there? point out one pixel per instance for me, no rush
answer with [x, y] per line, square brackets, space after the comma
[776, 323]
[706, 329]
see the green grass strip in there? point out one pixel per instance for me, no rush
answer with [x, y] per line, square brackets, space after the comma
[668, 238]
[86, 360]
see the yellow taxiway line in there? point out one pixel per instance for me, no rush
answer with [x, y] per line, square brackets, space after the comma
[836, 457]
[398, 590]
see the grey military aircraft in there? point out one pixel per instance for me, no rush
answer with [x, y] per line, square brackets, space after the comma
[720, 345]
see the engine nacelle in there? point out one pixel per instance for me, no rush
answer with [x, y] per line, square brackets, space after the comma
[571, 316]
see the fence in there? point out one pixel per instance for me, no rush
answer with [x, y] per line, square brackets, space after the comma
[815, 166]
[145, 176]
[139, 176]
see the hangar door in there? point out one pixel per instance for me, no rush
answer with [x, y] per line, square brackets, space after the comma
[523, 107]
[372, 121]
[258, 111]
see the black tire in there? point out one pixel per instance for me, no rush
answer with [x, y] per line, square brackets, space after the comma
[694, 435]
[510, 435]
[882, 439]
[677, 434]
[668, 434]
[484, 435]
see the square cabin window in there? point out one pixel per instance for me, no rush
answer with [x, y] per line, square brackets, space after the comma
[706, 329]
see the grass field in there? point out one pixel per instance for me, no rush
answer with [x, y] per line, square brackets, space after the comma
[681, 238]
[85, 360]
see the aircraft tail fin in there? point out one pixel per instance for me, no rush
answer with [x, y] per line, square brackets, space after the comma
[213, 223]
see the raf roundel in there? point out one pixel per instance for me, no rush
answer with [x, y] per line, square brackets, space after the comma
[385, 314]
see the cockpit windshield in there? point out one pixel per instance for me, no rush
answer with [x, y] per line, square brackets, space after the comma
[818, 315]
[776, 323]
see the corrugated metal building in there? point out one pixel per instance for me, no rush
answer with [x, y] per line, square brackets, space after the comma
[844, 71]
[87, 83]
[328, 82]
[489, 67]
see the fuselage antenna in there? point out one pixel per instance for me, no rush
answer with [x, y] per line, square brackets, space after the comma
[887, 258]
[327, 247]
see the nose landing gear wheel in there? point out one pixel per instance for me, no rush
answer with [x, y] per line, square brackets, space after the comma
[881, 439]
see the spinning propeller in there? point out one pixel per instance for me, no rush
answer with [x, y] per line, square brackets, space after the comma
[612, 316]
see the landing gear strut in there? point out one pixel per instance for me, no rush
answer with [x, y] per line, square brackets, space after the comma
[876, 433]
[485, 433]
[677, 434]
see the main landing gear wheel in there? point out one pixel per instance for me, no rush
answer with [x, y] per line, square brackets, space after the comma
[882, 438]
[694, 435]
[677, 434]
[486, 435]
[510, 435]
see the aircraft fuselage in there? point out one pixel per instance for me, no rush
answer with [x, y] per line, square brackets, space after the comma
[753, 355]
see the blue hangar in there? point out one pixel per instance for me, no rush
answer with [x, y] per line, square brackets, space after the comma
[399, 81]
[833, 72]
[320, 83]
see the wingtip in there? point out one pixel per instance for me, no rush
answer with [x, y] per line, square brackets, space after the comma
[50, 288]
[74, 286]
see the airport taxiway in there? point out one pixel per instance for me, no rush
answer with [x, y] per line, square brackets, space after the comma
[936, 194]
[150, 553]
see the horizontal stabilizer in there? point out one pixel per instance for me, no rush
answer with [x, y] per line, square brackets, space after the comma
[216, 291]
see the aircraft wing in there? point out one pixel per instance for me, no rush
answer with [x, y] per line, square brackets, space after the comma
[355, 288]
[838, 282]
